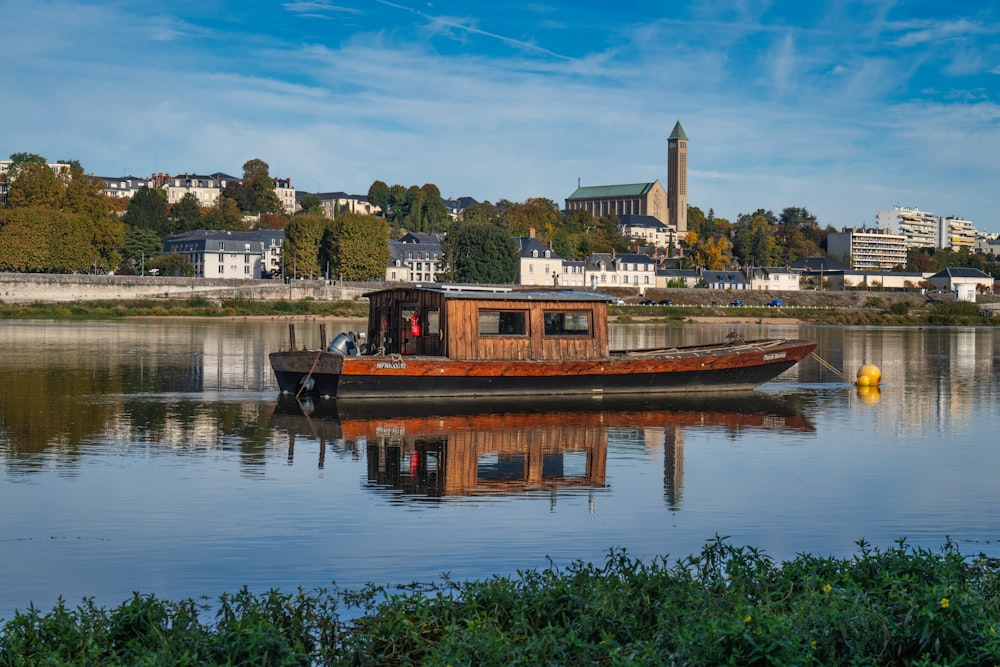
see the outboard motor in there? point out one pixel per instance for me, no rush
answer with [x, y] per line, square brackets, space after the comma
[344, 345]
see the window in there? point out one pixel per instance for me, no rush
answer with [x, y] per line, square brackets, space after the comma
[432, 324]
[567, 323]
[503, 323]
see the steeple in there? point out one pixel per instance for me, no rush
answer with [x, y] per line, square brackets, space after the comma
[678, 133]
[677, 168]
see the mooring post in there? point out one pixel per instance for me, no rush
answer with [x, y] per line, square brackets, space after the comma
[291, 335]
[322, 336]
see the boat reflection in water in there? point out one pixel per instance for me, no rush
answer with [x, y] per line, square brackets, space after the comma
[472, 447]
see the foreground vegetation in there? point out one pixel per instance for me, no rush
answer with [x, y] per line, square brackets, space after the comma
[193, 307]
[726, 605]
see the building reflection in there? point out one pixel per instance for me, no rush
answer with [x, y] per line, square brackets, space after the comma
[421, 450]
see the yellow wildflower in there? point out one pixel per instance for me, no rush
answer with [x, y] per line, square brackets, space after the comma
[827, 588]
[944, 603]
[748, 618]
[812, 644]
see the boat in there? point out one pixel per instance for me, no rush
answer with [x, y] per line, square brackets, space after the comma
[461, 342]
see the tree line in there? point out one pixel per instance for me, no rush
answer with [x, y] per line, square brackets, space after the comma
[62, 222]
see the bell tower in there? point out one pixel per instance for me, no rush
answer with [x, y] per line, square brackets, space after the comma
[677, 173]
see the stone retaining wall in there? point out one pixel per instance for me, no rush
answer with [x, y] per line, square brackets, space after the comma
[30, 287]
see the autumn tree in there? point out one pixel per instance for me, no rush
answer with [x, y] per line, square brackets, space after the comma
[356, 246]
[311, 203]
[476, 252]
[536, 213]
[753, 242]
[33, 183]
[225, 215]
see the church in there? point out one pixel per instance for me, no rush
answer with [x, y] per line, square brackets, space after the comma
[668, 206]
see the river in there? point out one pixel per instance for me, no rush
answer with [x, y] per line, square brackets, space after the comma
[155, 456]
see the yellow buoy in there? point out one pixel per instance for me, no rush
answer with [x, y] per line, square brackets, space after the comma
[869, 374]
[869, 395]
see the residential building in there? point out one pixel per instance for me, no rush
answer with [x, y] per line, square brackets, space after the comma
[574, 273]
[124, 187]
[237, 255]
[286, 194]
[919, 228]
[734, 280]
[768, 278]
[456, 207]
[609, 269]
[888, 281]
[415, 258]
[648, 229]
[868, 249]
[206, 188]
[335, 203]
[537, 263]
[964, 282]
[955, 233]
[677, 277]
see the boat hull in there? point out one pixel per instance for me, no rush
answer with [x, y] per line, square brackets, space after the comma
[716, 368]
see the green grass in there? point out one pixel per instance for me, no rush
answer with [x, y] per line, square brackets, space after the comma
[725, 606]
[193, 307]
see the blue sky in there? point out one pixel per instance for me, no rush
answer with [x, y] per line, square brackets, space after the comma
[844, 107]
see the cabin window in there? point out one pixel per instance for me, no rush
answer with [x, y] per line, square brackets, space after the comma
[432, 322]
[503, 323]
[567, 323]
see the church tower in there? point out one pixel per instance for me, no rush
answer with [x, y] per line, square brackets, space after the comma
[677, 177]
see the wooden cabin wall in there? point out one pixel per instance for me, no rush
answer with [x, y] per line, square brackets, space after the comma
[464, 341]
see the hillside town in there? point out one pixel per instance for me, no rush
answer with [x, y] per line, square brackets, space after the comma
[657, 239]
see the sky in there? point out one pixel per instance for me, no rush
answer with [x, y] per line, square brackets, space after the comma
[844, 107]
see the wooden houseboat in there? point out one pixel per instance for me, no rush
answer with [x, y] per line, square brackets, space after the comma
[438, 341]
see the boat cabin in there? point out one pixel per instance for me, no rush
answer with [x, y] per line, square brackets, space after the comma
[488, 323]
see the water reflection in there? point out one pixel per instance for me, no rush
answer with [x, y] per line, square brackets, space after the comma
[421, 450]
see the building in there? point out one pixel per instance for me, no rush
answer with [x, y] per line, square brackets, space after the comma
[237, 255]
[335, 203]
[537, 263]
[669, 205]
[734, 280]
[868, 249]
[647, 229]
[124, 187]
[206, 188]
[285, 193]
[648, 199]
[457, 207]
[677, 155]
[926, 230]
[604, 269]
[773, 278]
[963, 282]
[415, 258]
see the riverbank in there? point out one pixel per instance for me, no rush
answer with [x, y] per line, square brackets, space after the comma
[726, 605]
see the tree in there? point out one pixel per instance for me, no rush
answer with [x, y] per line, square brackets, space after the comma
[754, 243]
[356, 246]
[148, 210]
[185, 215]
[535, 213]
[141, 246]
[172, 264]
[257, 178]
[435, 213]
[33, 184]
[482, 212]
[479, 253]
[300, 253]
[224, 215]
[695, 219]
[311, 203]
[378, 195]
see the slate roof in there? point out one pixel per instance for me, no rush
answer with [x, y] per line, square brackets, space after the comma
[526, 245]
[678, 133]
[647, 221]
[599, 191]
[817, 264]
[617, 259]
[962, 272]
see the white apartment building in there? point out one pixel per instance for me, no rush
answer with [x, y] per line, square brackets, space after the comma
[926, 230]
[124, 187]
[868, 249]
[237, 255]
[207, 188]
[605, 269]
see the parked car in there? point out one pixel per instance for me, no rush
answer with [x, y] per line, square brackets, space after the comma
[617, 302]
[666, 302]
[774, 303]
[736, 302]
[647, 302]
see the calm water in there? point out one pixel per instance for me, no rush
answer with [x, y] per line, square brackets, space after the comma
[155, 456]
